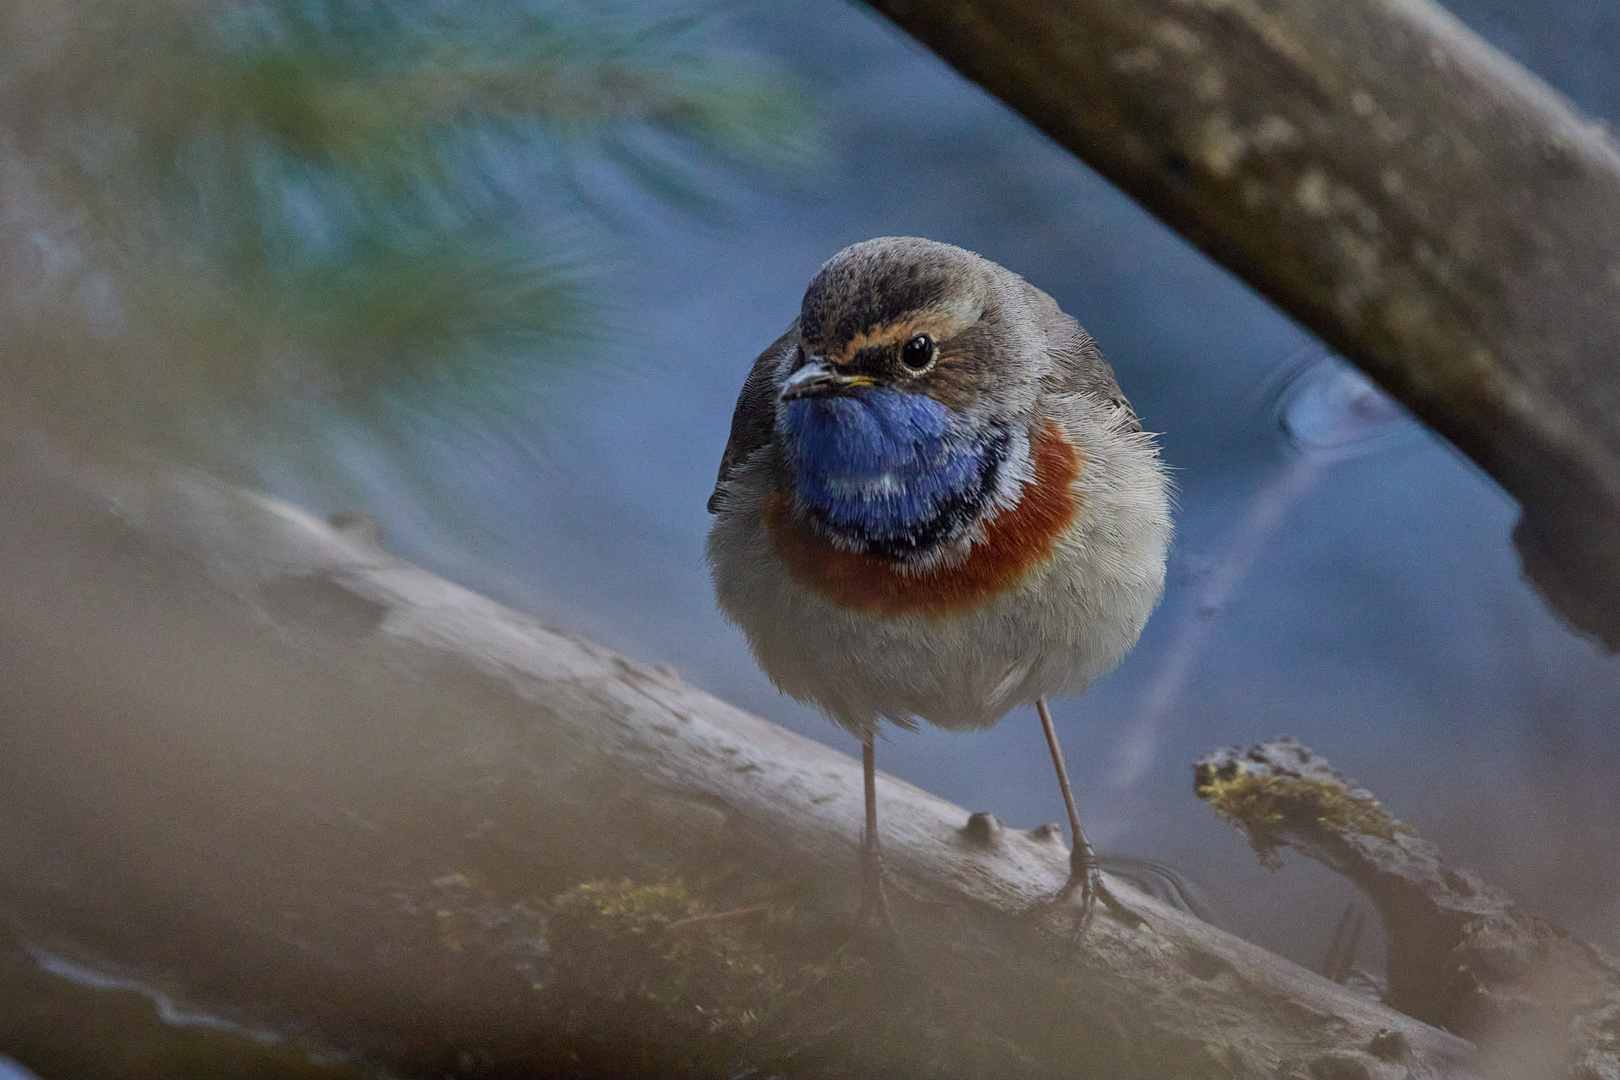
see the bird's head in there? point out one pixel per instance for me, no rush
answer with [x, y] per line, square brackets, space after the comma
[905, 410]
[918, 317]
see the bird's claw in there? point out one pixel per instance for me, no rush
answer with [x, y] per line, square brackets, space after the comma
[874, 920]
[1085, 876]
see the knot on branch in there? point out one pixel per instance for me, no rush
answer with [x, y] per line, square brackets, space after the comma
[983, 830]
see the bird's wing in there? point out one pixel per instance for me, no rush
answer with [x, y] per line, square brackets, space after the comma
[755, 416]
[1078, 365]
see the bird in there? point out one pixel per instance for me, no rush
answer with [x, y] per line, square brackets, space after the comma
[936, 505]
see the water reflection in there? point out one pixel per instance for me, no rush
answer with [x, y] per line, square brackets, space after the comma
[1327, 411]
[1214, 583]
[168, 1010]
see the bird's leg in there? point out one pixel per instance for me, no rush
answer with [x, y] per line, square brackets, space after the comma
[1084, 872]
[871, 866]
[874, 904]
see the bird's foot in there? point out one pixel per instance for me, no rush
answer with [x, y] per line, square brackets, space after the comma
[1086, 878]
[874, 920]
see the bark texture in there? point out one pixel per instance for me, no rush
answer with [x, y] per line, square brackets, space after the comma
[257, 763]
[1428, 207]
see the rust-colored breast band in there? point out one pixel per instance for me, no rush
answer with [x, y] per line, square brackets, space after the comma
[1015, 541]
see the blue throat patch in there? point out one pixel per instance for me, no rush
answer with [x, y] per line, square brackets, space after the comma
[895, 472]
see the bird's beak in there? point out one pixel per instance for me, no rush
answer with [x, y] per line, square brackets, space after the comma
[820, 379]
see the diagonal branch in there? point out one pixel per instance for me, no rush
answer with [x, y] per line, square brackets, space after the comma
[256, 761]
[1428, 207]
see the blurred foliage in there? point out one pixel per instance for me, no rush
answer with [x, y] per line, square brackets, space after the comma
[213, 207]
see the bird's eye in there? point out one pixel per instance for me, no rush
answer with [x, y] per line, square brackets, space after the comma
[918, 353]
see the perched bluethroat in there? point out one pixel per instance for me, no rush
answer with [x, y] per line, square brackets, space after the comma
[936, 504]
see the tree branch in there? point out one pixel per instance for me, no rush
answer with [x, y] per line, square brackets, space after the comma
[256, 761]
[1429, 208]
[1461, 953]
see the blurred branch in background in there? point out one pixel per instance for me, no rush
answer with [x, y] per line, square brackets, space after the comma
[1429, 208]
[212, 207]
